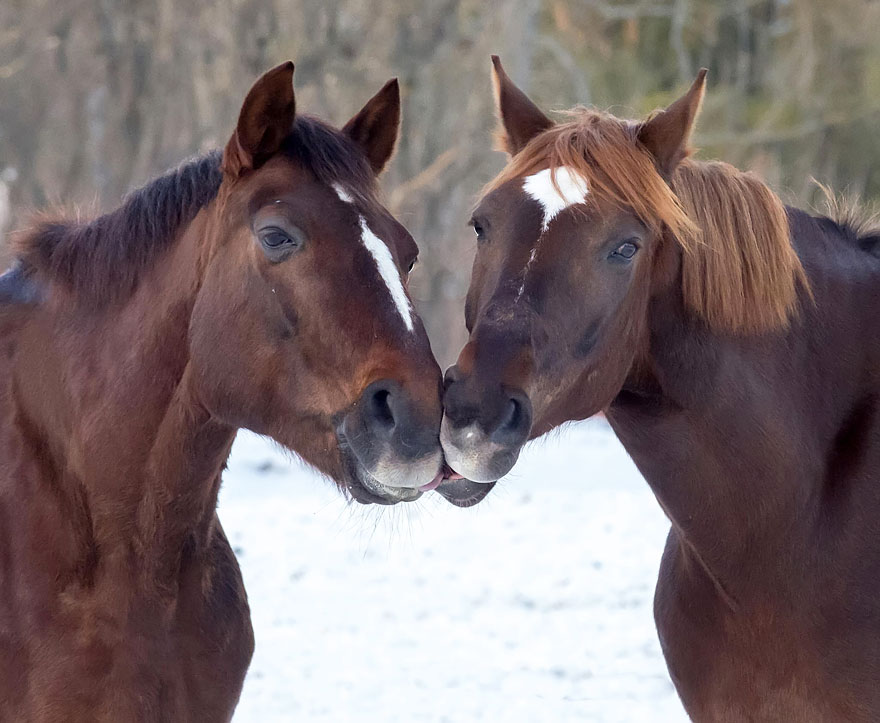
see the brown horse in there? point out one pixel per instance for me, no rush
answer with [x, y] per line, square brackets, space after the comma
[732, 343]
[262, 288]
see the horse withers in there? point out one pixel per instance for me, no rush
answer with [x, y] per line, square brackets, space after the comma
[732, 343]
[261, 288]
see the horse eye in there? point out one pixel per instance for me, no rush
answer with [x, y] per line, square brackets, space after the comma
[279, 243]
[412, 265]
[625, 251]
[275, 238]
[479, 231]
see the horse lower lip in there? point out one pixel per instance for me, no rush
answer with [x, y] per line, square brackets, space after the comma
[463, 492]
[387, 494]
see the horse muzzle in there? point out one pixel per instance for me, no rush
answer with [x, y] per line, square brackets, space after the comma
[393, 443]
[483, 428]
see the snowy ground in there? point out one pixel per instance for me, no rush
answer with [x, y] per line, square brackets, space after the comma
[533, 606]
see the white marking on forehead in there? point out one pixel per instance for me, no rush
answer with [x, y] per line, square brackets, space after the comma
[384, 262]
[572, 189]
[342, 193]
[388, 271]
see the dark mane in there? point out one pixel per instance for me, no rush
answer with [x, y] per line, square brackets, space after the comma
[857, 222]
[103, 260]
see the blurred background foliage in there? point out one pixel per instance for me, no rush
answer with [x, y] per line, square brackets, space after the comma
[98, 96]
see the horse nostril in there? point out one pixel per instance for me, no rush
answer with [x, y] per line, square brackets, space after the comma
[380, 408]
[512, 416]
[516, 420]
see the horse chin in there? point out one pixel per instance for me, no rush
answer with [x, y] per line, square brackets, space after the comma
[366, 489]
[458, 490]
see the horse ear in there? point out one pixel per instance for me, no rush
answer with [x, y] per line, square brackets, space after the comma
[374, 128]
[667, 133]
[521, 120]
[265, 120]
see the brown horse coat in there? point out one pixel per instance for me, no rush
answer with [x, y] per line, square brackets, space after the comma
[733, 345]
[241, 291]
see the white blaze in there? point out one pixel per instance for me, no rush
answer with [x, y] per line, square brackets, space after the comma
[384, 263]
[572, 190]
[388, 271]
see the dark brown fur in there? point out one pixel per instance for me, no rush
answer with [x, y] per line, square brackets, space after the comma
[142, 341]
[737, 358]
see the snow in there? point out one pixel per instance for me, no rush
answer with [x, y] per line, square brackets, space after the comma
[535, 605]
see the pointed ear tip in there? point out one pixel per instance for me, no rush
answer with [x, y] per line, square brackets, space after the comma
[701, 76]
[281, 74]
[496, 64]
[285, 67]
[390, 92]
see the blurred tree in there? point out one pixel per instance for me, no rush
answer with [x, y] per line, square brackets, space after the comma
[100, 95]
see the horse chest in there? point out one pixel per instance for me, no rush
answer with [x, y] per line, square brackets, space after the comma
[182, 658]
[759, 662]
[215, 636]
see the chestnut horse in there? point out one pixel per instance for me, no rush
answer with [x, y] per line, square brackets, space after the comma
[733, 344]
[263, 288]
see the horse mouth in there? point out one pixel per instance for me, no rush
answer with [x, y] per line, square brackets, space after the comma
[363, 486]
[456, 489]
[366, 489]
[450, 485]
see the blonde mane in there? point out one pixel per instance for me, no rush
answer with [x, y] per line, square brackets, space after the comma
[739, 270]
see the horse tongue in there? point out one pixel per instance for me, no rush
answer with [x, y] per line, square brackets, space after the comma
[445, 474]
[433, 484]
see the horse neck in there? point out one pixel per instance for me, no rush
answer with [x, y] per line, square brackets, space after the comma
[735, 436]
[112, 404]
